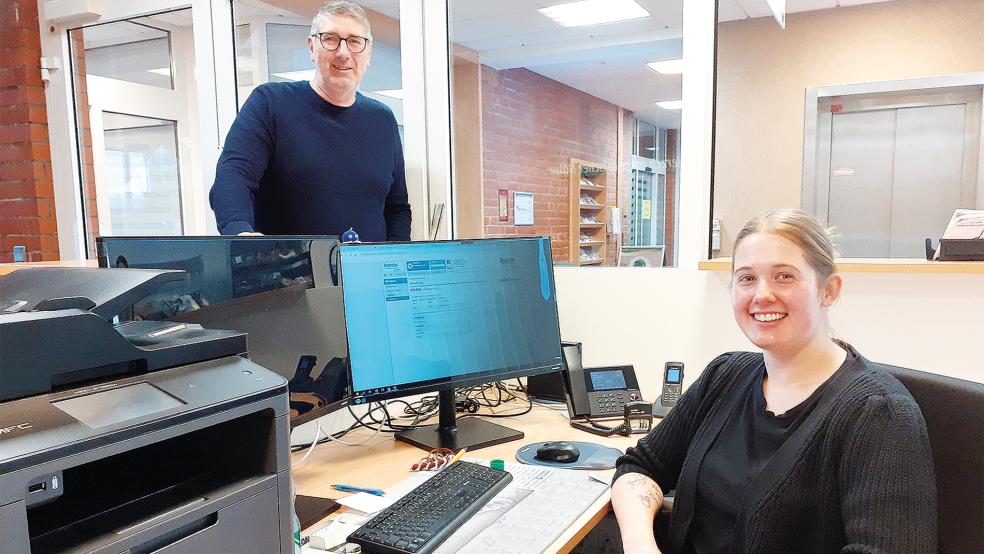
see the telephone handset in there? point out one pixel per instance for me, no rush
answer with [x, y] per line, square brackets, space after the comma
[637, 418]
[672, 385]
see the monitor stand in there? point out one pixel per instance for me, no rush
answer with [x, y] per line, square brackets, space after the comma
[470, 432]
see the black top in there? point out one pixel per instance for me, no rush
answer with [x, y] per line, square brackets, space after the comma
[855, 476]
[294, 164]
[748, 441]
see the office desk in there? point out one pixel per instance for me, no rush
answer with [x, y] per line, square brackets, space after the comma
[383, 462]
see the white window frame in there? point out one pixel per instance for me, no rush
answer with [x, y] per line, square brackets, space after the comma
[216, 106]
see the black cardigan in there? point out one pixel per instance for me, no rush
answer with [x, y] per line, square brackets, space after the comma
[857, 476]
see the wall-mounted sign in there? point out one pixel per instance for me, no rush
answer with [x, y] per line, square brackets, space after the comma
[503, 205]
[522, 208]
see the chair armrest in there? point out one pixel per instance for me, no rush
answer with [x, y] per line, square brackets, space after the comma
[667, 507]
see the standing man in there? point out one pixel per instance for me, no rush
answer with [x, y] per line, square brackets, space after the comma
[317, 157]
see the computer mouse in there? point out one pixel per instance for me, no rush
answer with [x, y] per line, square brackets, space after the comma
[559, 452]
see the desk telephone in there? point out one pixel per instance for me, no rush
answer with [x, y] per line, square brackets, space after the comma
[601, 391]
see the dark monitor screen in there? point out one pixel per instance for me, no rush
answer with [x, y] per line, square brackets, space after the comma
[438, 315]
[278, 290]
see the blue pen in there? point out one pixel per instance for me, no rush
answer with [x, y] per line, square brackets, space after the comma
[350, 488]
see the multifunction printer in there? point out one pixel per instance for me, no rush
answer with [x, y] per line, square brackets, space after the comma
[138, 437]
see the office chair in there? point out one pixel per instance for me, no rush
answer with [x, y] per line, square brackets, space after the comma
[954, 414]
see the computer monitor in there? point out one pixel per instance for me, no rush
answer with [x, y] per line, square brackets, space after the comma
[280, 290]
[436, 316]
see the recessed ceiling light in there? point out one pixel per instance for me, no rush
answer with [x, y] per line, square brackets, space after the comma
[671, 104]
[594, 12]
[394, 93]
[667, 67]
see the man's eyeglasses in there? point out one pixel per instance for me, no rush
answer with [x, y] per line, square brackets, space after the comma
[331, 42]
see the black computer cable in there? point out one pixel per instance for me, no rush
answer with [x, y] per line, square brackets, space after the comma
[501, 389]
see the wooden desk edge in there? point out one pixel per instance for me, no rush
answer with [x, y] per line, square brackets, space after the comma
[595, 513]
[10, 268]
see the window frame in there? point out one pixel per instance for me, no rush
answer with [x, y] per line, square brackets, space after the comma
[211, 43]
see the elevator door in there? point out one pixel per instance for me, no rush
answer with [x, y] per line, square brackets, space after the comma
[895, 177]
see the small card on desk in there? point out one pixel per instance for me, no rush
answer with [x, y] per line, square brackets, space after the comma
[366, 503]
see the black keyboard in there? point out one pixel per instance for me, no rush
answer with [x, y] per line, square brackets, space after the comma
[421, 520]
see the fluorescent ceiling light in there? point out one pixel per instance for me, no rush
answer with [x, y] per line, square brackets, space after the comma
[671, 104]
[165, 71]
[302, 75]
[394, 93]
[667, 67]
[594, 12]
[778, 9]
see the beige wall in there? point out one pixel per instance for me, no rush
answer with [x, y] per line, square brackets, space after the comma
[763, 72]
[924, 321]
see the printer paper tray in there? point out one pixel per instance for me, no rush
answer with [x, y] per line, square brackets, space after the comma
[129, 526]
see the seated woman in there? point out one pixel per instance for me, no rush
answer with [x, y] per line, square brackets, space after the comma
[806, 447]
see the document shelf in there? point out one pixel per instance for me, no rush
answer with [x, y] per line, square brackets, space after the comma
[214, 489]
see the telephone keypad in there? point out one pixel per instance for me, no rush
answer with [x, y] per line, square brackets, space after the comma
[613, 403]
[671, 393]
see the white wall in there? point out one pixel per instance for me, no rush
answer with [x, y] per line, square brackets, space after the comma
[647, 317]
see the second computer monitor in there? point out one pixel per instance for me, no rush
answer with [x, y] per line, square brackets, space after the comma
[432, 316]
[279, 290]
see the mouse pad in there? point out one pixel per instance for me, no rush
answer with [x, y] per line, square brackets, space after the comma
[593, 456]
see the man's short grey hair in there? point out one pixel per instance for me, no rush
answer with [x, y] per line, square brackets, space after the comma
[341, 7]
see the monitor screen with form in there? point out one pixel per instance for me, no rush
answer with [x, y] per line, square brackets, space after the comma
[432, 316]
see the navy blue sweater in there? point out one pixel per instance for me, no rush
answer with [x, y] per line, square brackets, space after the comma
[294, 164]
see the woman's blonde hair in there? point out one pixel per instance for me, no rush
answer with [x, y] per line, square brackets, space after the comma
[802, 229]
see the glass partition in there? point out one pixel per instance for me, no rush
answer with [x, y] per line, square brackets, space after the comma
[868, 116]
[271, 46]
[568, 125]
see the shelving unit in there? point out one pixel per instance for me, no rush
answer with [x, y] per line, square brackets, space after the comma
[589, 218]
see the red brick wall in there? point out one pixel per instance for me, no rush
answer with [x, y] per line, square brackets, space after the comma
[531, 127]
[27, 199]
